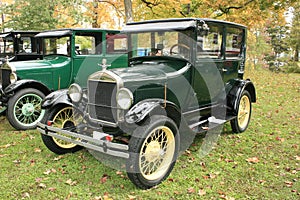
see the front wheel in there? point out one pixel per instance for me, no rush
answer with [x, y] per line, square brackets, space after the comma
[24, 109]
[153, 151]
[62, 117]
[241, 122]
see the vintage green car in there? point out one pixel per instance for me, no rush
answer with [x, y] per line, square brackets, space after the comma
[184, 76]
[69, 55]
[19, 45]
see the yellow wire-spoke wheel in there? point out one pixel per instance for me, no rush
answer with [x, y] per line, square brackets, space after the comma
[65, 118]
[153, 148]
[244, 112]
[157, 153]
[241, 122]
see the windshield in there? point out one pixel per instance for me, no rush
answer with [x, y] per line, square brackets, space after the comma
[57, 45]
[162, 43]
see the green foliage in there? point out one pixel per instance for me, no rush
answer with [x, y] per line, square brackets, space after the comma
[42, 15]
[261, 163]
[292, 67]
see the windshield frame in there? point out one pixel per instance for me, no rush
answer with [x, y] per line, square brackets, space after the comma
[51, 45]
[159, 43]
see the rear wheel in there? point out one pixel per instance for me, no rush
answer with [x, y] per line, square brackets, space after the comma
[61, 117]
[24, 109]
[241, 122]
[153, 151]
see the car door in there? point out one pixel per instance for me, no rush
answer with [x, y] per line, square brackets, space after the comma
[208, 74]
[234, 56]
[116, 49]
[87, 55]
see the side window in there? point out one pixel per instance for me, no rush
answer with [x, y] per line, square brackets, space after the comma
[59, 45]
[6, 45]
[234, 39]
[25, 45]
[210, 45]
[116, 43]
[88, 43]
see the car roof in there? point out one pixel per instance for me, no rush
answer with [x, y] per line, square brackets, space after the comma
[23, 32]
[68, 31]
[172, 24]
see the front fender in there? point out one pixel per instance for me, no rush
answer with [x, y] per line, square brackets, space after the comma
[144, 108]
[55, 98]
[140, 110]
[26, 83]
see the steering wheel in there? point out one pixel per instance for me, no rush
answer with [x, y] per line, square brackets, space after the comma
[179, 45]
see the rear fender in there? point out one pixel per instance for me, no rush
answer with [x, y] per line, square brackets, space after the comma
[235, 91]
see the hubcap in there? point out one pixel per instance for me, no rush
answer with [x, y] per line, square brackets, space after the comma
[28, 111]
[157, 153]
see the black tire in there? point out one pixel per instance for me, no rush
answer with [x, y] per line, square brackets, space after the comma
[241, 122]
[159, 151]
[24, 109]
[62, 117]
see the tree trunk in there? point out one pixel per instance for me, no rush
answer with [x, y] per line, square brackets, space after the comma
[128, 10]
[296, 56]
[95, 15]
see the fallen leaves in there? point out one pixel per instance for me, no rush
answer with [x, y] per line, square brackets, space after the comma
[71, 182]
[37, 150]
[8, 145]
[253, 160]
[279, 139]
[49, 171]
[288, 183]
[191, 190]
[104, 178]
[201, 192]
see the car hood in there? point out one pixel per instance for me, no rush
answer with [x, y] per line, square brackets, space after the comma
[47, 62]
[143, 72]
[150, 71]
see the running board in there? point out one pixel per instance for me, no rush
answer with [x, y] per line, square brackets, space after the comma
[209, 123]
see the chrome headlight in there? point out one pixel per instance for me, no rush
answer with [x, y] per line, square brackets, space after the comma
[124, 98]
[13, 77]
[75, 92]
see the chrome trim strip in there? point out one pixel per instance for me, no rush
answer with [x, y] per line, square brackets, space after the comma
[179, 72]
[106, 147]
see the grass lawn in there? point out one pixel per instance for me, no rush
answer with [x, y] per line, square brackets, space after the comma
[261, 163]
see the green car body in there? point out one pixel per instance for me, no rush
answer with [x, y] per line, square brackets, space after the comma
[69, 55]
[185, 76]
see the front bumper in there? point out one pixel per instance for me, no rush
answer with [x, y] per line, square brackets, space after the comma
[97, 144]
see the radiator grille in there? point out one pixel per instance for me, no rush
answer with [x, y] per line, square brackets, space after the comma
[102, 101]
[4, 77]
